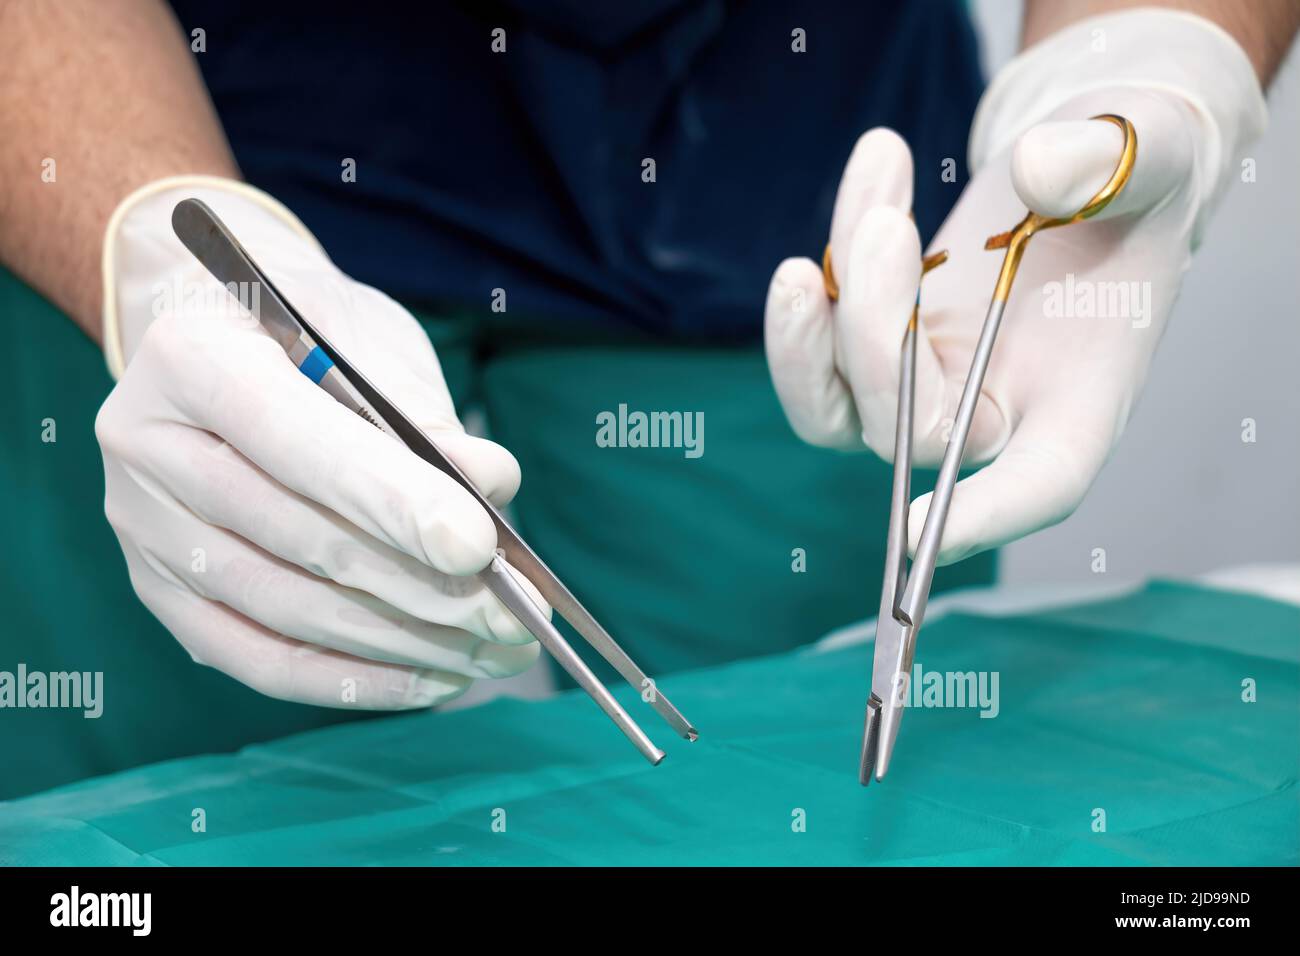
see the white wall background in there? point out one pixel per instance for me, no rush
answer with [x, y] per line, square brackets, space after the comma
[1183, 494]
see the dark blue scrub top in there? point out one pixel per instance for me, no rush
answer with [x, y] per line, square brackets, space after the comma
[522, 170]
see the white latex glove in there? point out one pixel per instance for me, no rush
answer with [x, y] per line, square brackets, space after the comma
[278, 536]
[1061, 383]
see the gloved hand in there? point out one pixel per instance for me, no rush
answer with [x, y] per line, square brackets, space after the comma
[1089, 303]
[278, 536]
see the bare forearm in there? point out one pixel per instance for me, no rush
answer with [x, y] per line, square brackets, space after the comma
[1264, 28]
[106, 90]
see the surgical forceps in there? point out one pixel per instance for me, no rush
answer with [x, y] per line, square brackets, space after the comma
[904, 593]
[207, 237]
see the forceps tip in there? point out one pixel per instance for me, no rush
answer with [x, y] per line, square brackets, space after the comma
[870, 741]
[882, 761]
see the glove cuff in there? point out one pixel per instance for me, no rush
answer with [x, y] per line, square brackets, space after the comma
[1151, 49]
[119, 243]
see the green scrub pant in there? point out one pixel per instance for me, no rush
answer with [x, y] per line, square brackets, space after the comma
[757, 545]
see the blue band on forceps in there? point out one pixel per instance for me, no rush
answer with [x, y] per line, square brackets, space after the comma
[316, 364]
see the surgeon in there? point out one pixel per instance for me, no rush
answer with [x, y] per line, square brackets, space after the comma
[540, 215]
